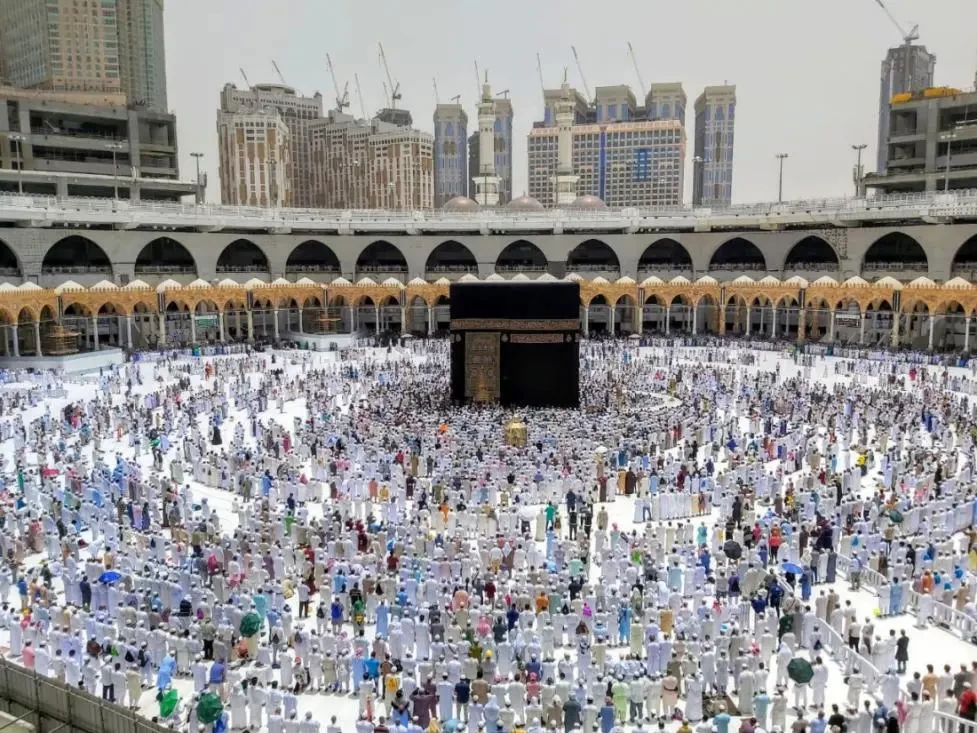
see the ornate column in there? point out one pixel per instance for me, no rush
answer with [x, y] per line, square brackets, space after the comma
[250, 325]
[749, 312]
[95, 344]
[37, 338]
[430, 320]
[301, 325]
[722, 320]
[831, 328]
[761, 320]
[162, 328]
[610, 319]
[275, 313]
[193, 327]
[801, 326]
[376, 309]
[668, 319]
[861, 330]
[773, 326]
[895, 328]
[220, 325]
[16, 341]
[695, 320]
[639, 319]
[966, 334]
[129, 331]
[932, 321]
[585, 321]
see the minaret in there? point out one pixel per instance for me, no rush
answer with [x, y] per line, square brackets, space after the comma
[486, 182]
[564, 181]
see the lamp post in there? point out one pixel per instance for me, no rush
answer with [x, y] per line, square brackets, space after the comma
[858, 168]
[197, 157]
[697, 162]
[19, 139]
[780, 186]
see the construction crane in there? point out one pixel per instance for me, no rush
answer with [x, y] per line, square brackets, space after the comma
[437, 98]
[244, 76]
[359, 94]
[456, 99]
[504, 93]
[478, 81]
[395, 94]
[279, 72]
[907, 39]
[342, 100]
[634, 60]
[539, 70]
[583, 79]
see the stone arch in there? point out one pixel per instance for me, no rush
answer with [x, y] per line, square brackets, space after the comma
[965, 259]
[380, 256]
[9, 263]
[78, 254]
[663, 255]
[894, 252]
[737, 253]
[242, 255]
[593, 255]
[312, 256]
[450, 256]
[165, 255]
[521, 255]
[812, 253]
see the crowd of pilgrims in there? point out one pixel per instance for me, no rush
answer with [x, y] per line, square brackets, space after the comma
[397, 552]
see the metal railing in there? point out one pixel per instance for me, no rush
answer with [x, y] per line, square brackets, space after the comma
[961, 203]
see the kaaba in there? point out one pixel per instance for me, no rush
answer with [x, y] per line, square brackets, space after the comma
[516, 343]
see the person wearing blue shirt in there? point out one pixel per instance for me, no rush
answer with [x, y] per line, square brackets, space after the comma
[819, 724]
[606, 717]
[722, 721]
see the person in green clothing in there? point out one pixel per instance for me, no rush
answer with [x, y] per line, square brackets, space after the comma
[620, 692]
[550, 515]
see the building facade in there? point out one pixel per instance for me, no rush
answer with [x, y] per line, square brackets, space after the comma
[620, 155]
[300, 114]
[63, 45]
[905, 69]
[715, 121]
[930, 144]
[87, 144]
[255, 158]
[450, 153]
[86, 45]
[142, 52]
[666, 101]
[371, 165]
[503, 148]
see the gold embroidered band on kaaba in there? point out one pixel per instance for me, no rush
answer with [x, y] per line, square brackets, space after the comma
[513, 324]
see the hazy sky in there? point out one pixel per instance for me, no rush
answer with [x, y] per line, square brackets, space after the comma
[806, 71]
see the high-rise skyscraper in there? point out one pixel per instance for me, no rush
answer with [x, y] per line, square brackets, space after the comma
[371, 164]
[905, 68]
[712, 166]
[142, 52]
[255, 158]
[86, 45]
[298, 113]
[450, 153]
[503, 148]
[618, 154]
[63, 45]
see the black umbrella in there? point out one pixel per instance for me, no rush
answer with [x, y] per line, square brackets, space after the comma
[732, 549]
